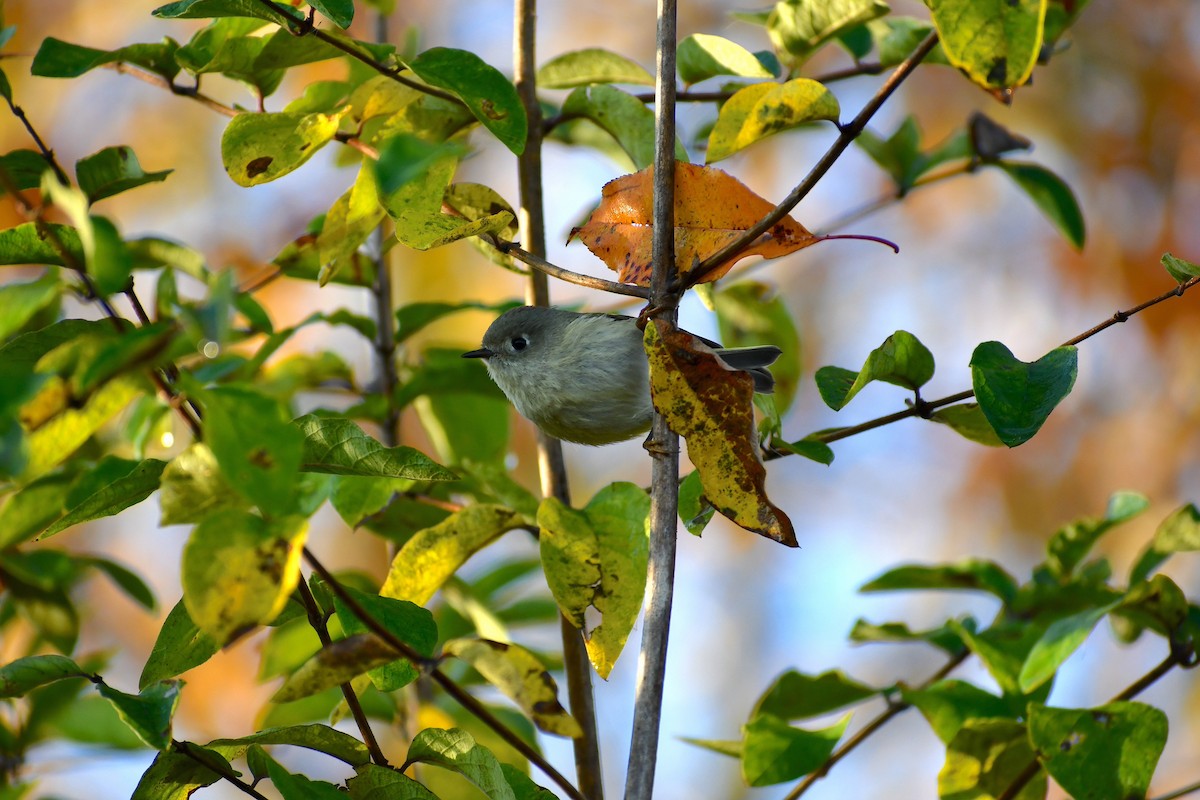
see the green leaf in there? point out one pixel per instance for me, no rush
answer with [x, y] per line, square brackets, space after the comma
[175, 776]
[521, 677]
[901, 156]
[337, 446]
[996, 42]
[775, 752]
[1181, 269]
[341, 12]
[588, 66]
[484, 89]
[984, 758]
[193, 487]
[432, 555]
[1107, 753]
[465, 428]
[22, 301]
[948, 705]
[382, 783]
[30, 509]
[1057, 644]
[943, 638]
[1052, 196]
[1158, 604]
[239, 570]
[126, 579]
[694, 510]
[123, 492]
[968, 421]
[977, 575]
[258, 148]
[763, 109]
[203, 9]
[349, 222]
[622, 115]
[111, 171]
[58, 59]
[597, 558]
[1017, 397]
[901, 360]
[1003, 649]
[702, 56]
[257, 447]
[180, 646]
[149, 712]
[404, 158]
[335, 664]
[800, 27]
[1179, 532]
[794, 695]
[1072, 542]
[300, 787]
[407, 621]
[454, 749]
[523, 786]
[24, 169]
[18, 678]
[24, 244]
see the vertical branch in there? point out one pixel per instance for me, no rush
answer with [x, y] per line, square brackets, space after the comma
[550, 457]
[664, 444]
[381, 291]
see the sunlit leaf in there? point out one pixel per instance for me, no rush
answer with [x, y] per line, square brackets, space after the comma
[58, 59]
[985, 757]
[901, 360]
[203, 9]
[623, 116]
[702, 56]
[180, 646]
[335, 664]
[775, 752]
[521, 677]
[1056, 645]
[432, 555]
[794, 695]
[239, 570]
[996, 42]
[382, 783]
[22, 301]
[257, 148]
[59, 437]
[193, 486]
[484, 89]
[148, 713]
[407, 621]
[799, 27]
[763, 109]
[588, 66]
[176, 776]
[456, 750]
[339, 447]
[126, 491]
[948, 705]
[20, 677]
[111, 171]
[968, 421]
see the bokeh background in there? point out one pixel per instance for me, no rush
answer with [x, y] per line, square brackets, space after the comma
[1117, 115]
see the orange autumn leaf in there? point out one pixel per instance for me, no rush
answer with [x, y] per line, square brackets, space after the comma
[712, 209]
[711, 406]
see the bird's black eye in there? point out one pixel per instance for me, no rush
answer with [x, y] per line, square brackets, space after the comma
[519, 343]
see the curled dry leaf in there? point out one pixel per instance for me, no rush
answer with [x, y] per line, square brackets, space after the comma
[712, 209]
[711, 407]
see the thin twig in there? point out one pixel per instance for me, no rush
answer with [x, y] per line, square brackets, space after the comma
[925, 407]
[663, 444]
[1181, 792]
[183, 91]
[849, 133]
[870, 728]
[464, 698]
[317, 622]
[587, 281]
[552, 466]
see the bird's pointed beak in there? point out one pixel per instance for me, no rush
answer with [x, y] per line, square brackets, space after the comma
[482, 352]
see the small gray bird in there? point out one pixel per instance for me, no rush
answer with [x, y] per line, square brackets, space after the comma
[584, 377]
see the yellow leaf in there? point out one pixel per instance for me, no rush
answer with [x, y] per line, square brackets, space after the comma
[763, 109]
[711, 407]
[518, 673]
[432, 555]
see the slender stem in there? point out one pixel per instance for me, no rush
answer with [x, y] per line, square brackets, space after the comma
[664, 443]
[552, 467]
[540, 264]
[1183, 791]
[463, 697]
[869, 730]
[185, 749]
[849, 133]
[317, 622]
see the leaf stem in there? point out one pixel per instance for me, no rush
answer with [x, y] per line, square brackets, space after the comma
[185, 749]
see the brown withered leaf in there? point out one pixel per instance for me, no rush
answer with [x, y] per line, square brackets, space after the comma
[711, 407]
[712, 209]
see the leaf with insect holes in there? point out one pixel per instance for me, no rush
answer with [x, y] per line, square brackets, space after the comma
[712, 209]
[711, 407]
